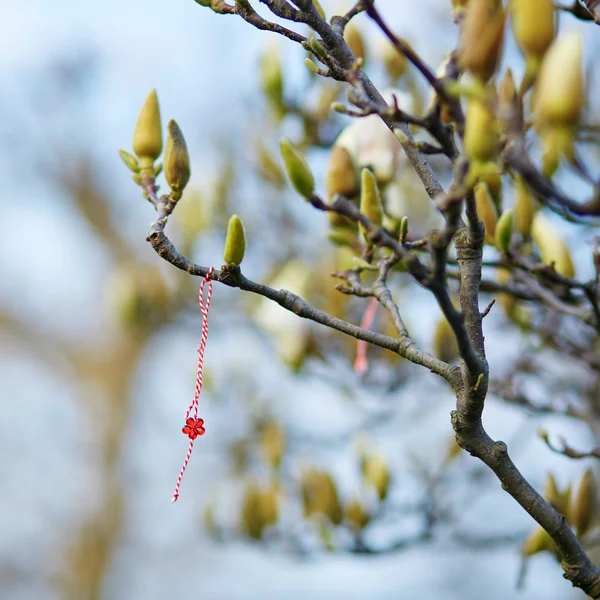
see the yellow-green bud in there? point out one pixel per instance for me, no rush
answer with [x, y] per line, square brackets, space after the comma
[355, 515]
[490, 174]
[235, 242]
[342, 237]
[486, 210]
[482, 35]
[539, 540]
[137, 178]
[481, 135]
[403, 229]
[524, 208]
[370, 200]
[504, 231]
[341, 174]
[559, 93]
[271, 76]
[533, 25]
[147, 136]
[585, 508]
[320, 10]
[551, 246]
[177, 159]
[376, 473]
[131, 162]
[444, 344]
[297, 169]
[311, 66]
[395, 62]
[354, 40]
[317, 47]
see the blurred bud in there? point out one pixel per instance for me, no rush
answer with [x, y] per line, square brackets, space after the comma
[507, 91]
[271, 78]
[504, 231]
[481, 137]
[158, 167]
[453, 450]
[320, 10]
[354, 40]
[137, 178]
[259, 509]
[524, 207]
[235, 242]
[272, 443]
[341, 173]
[311, 66]
[395, 63]
[539, 540]
[486, 210]
[458, 9]
[551, 246]
[269, 168]
[403, 229]
[370, 200]
[376, 473]
[131, 162]
[342, 237]
[444, 343]
[585, 508]
[193, 216]
[209, 521]
[560, 501]
[490, 174]
[147, 136]
[481, 37]
[559, 96]
[320, 496]
[177, 160]
[355, 515]
[533, 25]
[297, 169]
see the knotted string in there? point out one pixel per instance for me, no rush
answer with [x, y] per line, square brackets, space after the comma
[194, 426]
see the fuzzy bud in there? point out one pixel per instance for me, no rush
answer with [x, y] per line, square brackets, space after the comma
[297, 170]
[370, 200]
[147, 136]
[482, 35]
[585, 508]
[235, 242]
[533, 25]
[504, 231]
[486, 210]
[341, 173]
[481, 135]
[177, 159]
[552, 248]
[524, 208]
[354, 39]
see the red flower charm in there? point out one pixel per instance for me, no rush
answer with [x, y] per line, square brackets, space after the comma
[193, 428]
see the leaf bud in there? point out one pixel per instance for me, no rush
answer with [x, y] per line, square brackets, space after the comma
[177, 159]
[354, 39]
[370, 200]
[147, 136]
[235, 242]
[297, 170]
[131, 162]
[524, 207]
[552, 248]
[585, 508]
[504, 231]
[486, 210]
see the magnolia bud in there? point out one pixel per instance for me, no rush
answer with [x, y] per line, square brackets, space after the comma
[524, 208]
[552, 248]
[395, 63]
[271, 77]
[235, 242]
[341, 174]
[486, 210]
[297, 169]
[355, 515]
[354, 39]
[538, 541]
[490, 174]
[482, 34]
[560, 501]
[403, 229]
[504, 231]
[272, 442]
[559, 94]
[533, 25]
[376, 474]
[177, 159]
[370, 200]
[480, 132]
[585, 508]
[147, 136]
[131, 162]
[320, 10]
[444, 344]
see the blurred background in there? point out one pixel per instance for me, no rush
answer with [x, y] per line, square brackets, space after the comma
[311, 479]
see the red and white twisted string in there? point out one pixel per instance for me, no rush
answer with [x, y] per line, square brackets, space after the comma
[194, 426]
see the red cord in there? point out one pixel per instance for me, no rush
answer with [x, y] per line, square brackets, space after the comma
[361, 363]
[194, 426]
